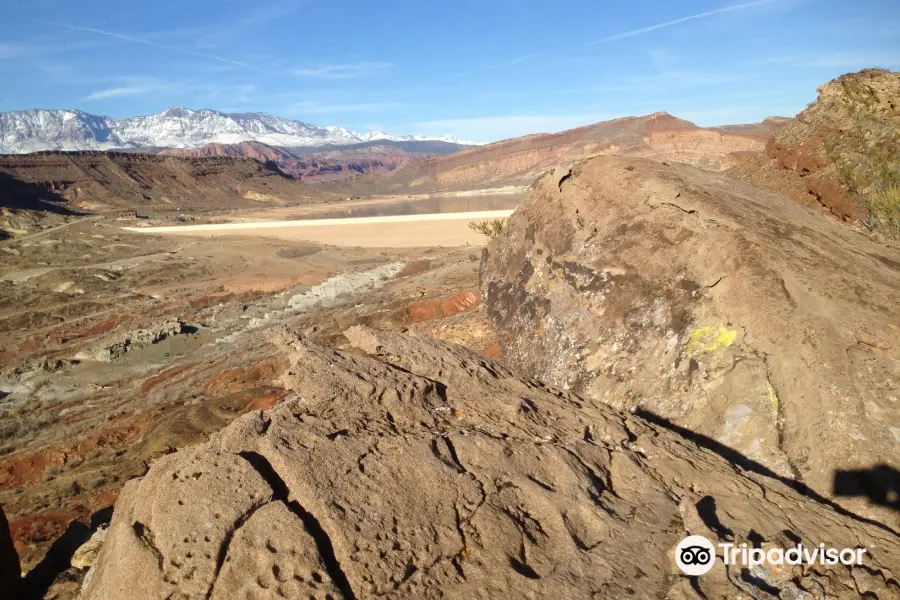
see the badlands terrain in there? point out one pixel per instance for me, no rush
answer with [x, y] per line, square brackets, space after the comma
[680, 330]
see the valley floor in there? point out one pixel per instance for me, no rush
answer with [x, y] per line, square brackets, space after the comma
[396, 231]
[118, 346]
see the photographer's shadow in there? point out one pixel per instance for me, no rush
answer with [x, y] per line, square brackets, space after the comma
[880, 484]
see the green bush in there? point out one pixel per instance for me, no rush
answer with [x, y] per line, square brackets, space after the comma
[489, 228]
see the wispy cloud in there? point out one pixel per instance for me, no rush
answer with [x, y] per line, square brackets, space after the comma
[119, 91]
[658, 56]
[136, 40]
[11, 51]
[657, 82]
[343, 71]
[521, 59]
[679, 21]
[500, 65]
[236, 27]
[235, 91]
[325, 108]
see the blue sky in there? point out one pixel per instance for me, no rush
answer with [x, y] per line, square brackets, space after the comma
[480, 69]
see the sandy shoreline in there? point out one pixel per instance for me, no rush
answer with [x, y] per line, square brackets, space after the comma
[396, 231]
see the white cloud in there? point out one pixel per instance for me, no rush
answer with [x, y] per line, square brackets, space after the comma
[343, 71]
[117, 92]
[679, 21]
[490, 129]
[234, 91]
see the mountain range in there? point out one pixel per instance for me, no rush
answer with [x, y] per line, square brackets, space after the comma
[37, 130]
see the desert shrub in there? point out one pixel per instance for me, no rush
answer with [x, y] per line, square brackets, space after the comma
[867, 165]
[884, 211]
[491, 229]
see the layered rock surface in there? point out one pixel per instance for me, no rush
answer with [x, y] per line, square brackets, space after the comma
[726, 310]
[426, 471]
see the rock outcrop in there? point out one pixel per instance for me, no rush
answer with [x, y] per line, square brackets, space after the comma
[841, 153]
[726, 310]
[426, 471]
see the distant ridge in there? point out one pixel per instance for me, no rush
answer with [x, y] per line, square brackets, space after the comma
[35, 130]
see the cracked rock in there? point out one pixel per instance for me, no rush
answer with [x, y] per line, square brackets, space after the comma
[418, 469]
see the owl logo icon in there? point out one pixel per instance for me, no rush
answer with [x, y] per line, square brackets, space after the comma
[695, 555]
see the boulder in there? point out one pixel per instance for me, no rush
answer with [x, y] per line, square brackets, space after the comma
[711, 305]
[418, 469]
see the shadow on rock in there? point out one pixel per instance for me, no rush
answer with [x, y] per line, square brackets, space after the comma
[878, 479]
[59, 557]
[18, 194]
[881, 484]
[10, 571]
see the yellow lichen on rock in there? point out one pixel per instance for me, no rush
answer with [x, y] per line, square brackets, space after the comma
[709, 339]
[773, 396]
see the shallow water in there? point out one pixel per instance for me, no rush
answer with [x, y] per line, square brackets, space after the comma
[423, 206]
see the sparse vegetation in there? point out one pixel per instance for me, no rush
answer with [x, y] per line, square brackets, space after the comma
[872, 177]
[491, 229]
[884, 211]
[864, 149]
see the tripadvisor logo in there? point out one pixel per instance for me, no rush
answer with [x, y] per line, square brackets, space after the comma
[696, 555]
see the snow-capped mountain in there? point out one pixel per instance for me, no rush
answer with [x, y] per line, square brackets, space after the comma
[178, 127]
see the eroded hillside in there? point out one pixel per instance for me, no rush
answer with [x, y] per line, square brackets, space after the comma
[104, 181]
[842, 153]
[519, 161]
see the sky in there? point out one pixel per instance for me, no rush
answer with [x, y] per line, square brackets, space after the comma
[480, 69]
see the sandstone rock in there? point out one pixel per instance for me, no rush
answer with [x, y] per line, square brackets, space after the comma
[87, 553]
[430, 472]
[442, 308]
[724, 309]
